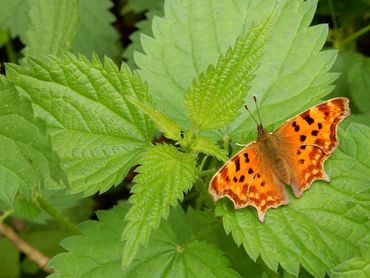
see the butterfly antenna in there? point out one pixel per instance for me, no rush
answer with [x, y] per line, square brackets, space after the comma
[246, 108]
[258, 112]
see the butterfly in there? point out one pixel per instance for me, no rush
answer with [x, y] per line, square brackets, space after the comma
[293, 154]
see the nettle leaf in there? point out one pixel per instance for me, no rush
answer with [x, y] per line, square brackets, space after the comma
[359, 83]
[194, 34]
[169, 127]
[164, 175]
[85, 104]
[207, 146]
[355, 267]
[27, 161]
[53, 26]
[144, 27]
[96, 32]
[170, 252]
[216, 96]
[321, 229]
[13, 16]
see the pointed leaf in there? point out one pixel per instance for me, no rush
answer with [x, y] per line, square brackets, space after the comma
[215, 97]
[169, 127]
[164, 175]
[321, 229]
[206, 146]
[85, 104]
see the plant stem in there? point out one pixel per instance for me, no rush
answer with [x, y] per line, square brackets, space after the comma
[5, 215]
[64, 221]
[32, 253]
[355, 35]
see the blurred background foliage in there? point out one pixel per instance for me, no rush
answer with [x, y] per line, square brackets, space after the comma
[116, 33]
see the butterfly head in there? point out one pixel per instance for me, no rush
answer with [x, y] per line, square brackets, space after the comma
[262, 132]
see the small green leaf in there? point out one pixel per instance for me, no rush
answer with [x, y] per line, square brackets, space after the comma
[27, 162]
[96, 33]
[359, 83]
[356, 267]
[164, 175]
[85, 104]
[13, 17]
[215, 97]
[172, 251]
[169, 127]
[53, 26]
[206, 146]
[322, 228]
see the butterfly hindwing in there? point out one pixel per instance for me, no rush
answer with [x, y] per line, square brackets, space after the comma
[246, 180]
[309, 139]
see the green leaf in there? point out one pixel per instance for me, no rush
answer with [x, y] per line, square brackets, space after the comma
[170, 253]
[53, 26]
[96, 33]
[85, 104]
[359, 83]
[27, 161]
[321, 229]
[355, 267]
[169, 127]
[144, 27]
[293, 72]
[13, 17]
[164, 175]
[9, 260]
[206, 146]
[215, 97]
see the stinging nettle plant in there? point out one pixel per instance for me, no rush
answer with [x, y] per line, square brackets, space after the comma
[73, 127]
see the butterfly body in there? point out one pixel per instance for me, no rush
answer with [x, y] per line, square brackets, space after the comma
[294, 154]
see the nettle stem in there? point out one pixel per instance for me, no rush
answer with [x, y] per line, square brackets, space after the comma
[64, 221]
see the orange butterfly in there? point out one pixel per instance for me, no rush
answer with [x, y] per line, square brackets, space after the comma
[293, 154]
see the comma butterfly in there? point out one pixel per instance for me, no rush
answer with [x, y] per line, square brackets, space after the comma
[293, 154]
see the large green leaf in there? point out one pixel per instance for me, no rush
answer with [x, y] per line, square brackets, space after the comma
[193, 34]
[321, 229]
[96, 32]
[171, 252]
[9, 260]
[96, 131]
[164, 175]
[53, 26]
[27, 162]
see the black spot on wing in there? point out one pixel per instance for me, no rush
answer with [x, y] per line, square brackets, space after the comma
[237, 164]
[303, 137]
[308, 119]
